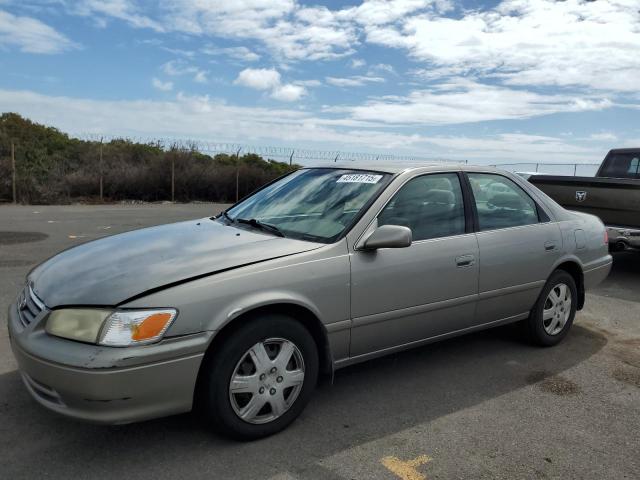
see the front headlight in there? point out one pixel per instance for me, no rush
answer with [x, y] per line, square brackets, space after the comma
[77, 323]
[106, 327]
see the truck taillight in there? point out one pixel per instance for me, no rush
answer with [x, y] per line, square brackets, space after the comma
[606, 237]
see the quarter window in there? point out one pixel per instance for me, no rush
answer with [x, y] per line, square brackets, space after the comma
[430, 205]
[501, 203]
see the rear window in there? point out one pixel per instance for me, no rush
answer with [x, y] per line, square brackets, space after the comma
[622, 165]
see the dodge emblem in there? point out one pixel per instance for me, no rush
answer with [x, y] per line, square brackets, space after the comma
[581, 196]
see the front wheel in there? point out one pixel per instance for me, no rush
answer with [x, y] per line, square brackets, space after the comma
[261, 378]
[553, 314]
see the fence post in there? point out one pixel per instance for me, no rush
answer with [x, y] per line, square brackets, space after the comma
[101, 174]
[13, 172]
[238, 175]
[575, 169]
[291, 158]
[537, 166]
[173, 176]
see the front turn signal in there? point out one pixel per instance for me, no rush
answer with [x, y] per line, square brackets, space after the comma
[134, 327]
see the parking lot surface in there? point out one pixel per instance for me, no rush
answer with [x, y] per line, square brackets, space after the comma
[484, 405]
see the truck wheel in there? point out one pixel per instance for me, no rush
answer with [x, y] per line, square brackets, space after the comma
[553, 314]
[261, 378]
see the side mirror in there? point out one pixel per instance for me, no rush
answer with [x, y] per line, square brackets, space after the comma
[389, 236]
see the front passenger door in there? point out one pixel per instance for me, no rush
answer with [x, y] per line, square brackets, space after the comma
[404, 295]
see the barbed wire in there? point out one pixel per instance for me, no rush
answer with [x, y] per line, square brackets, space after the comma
[290, 154]
[304, 155]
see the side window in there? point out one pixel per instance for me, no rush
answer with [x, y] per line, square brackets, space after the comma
[501, 203]
[430, 205]
[634, 166]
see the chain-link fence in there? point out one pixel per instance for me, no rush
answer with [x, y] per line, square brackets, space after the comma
[564, 169]
[290, 155]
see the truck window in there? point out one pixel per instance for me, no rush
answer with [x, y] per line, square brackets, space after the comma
[622, 165]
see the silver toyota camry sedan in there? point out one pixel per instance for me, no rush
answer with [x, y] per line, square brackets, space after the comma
[241, 313]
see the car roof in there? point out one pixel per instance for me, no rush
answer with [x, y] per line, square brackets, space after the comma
[399, 167]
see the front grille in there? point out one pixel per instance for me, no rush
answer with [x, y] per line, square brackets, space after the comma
[29, 306]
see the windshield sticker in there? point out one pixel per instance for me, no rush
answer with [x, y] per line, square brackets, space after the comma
[359, 178]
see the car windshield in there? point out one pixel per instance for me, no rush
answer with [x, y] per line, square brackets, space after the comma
[315, 204]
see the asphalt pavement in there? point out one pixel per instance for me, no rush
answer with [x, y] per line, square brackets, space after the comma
[485, 405]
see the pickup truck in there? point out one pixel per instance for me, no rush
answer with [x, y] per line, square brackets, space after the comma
[613, 195]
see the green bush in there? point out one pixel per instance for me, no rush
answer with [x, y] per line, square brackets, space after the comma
[55, 168]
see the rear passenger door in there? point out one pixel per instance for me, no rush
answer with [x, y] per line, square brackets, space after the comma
[518, 247]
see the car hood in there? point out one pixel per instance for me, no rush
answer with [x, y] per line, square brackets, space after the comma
[114, 269]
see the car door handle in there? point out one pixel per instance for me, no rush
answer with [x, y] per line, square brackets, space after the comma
[549, 246]
[465, 260]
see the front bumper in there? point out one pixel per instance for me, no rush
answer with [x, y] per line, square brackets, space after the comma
[106, 384]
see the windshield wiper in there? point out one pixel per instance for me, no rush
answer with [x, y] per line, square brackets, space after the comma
[261, 225]
[225, 215]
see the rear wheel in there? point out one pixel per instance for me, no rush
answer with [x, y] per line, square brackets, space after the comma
[261, 377]
[555, 310]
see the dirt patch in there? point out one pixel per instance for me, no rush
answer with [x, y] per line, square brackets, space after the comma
[10, 238]
[556, 384]
[15, 263]
[627, 375]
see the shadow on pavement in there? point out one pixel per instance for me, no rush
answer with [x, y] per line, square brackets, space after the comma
[366, 402]
[624, 280]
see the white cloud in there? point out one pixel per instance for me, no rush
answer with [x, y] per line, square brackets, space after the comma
[308, 83]
[528, 42]
[176, 68]
[288, 92]
[259, 78]
[237, 53]
[160, 85]
[124, 10]
[289, 31]
[355, 81]
[381, 12]
[31, 35]
[200, 77]
[465, 101]
[381, 68]
[269, 79]
[357, 62]
[603, 137]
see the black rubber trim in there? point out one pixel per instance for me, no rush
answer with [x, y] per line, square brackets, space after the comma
[615, 183]
[470, 209]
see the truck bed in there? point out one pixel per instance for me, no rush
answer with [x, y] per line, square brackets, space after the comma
[615, 200]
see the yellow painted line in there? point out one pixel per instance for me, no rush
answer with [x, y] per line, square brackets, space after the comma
[406, 470]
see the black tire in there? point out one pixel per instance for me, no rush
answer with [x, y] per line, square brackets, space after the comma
[215, 400]
[535, 325]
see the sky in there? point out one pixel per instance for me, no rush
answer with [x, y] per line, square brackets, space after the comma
[484, 81]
